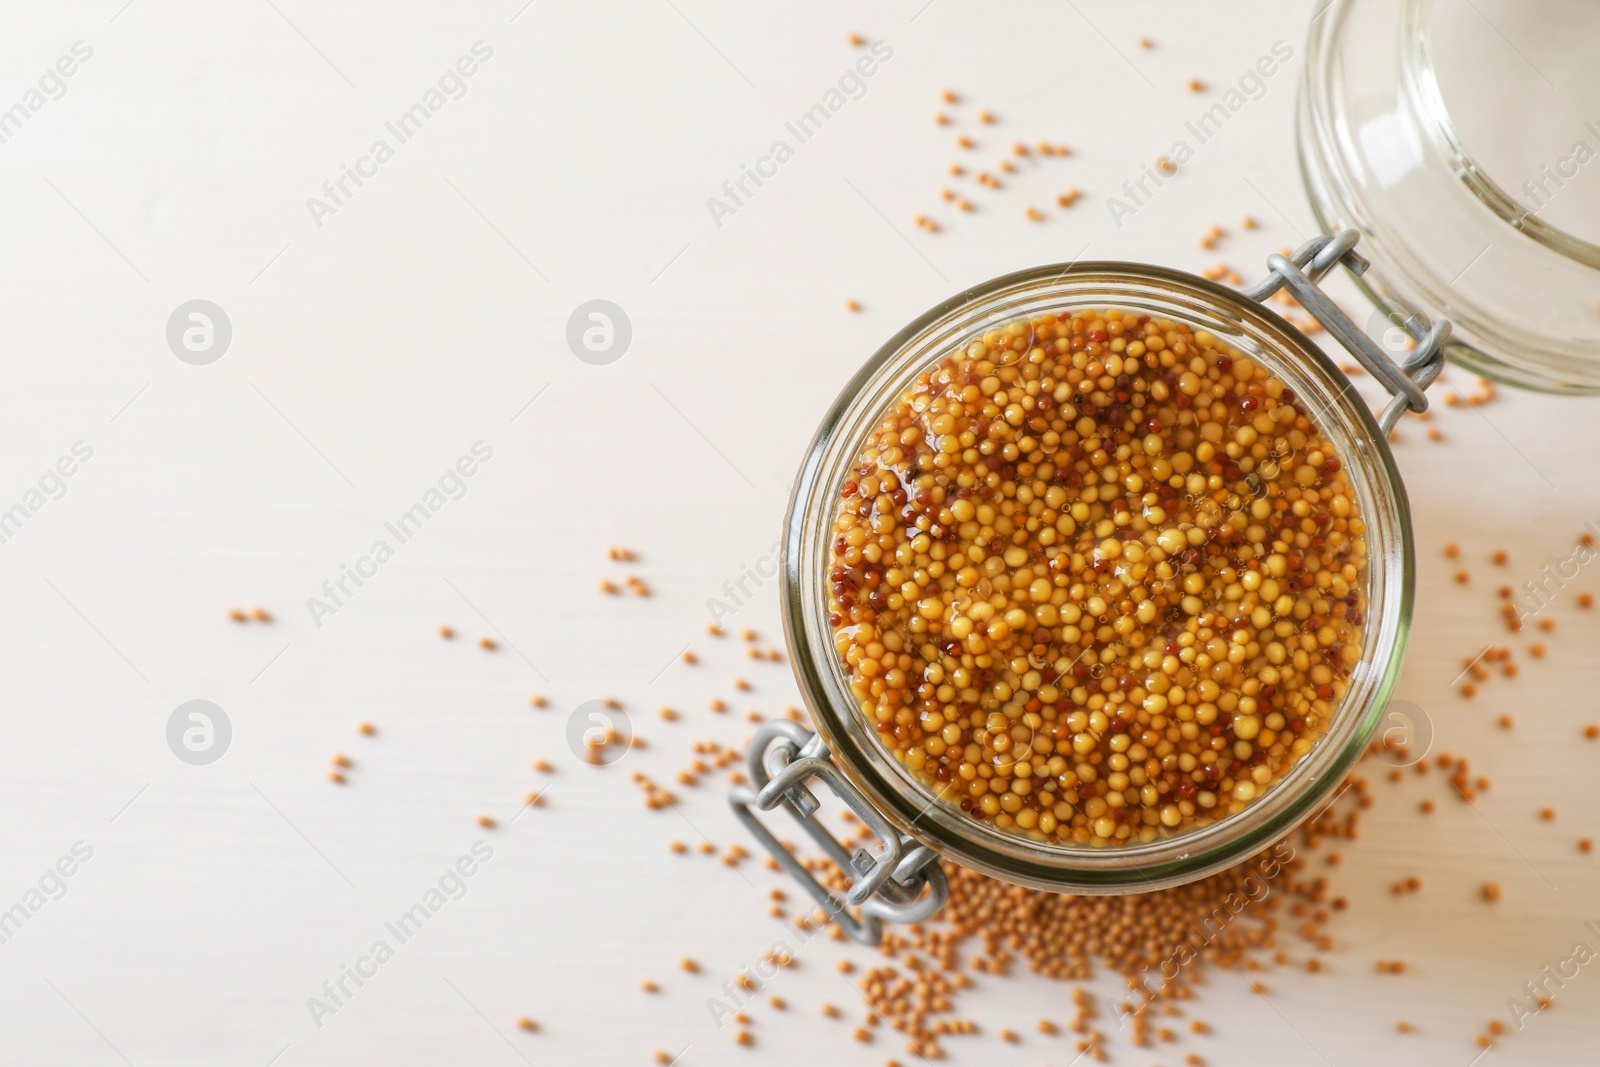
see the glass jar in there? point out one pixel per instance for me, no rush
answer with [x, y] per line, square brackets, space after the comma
[1461, 141]
[900, 880]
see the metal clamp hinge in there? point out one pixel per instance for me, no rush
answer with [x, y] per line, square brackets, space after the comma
[900, 881]
[1407, 379]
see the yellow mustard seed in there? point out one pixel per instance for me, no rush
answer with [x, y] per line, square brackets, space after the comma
[1098, 577]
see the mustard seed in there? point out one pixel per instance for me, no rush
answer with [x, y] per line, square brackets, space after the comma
[528, 1024]
[1491, 891]
[446, 632]
[1057, 619]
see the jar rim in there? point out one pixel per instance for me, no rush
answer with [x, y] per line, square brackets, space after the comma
[1170, 859]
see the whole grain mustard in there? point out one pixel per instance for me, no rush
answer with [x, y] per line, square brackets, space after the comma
[1097, 577]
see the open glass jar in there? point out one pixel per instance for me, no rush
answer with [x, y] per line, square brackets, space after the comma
[900, 879]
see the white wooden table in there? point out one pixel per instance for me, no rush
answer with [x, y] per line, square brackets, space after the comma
[376, 337]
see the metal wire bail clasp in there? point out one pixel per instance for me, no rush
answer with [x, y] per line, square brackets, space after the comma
[888, 884]
[1407, 380]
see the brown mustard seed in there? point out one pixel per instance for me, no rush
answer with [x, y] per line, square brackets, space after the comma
[1491, 891]
[1111, 640]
